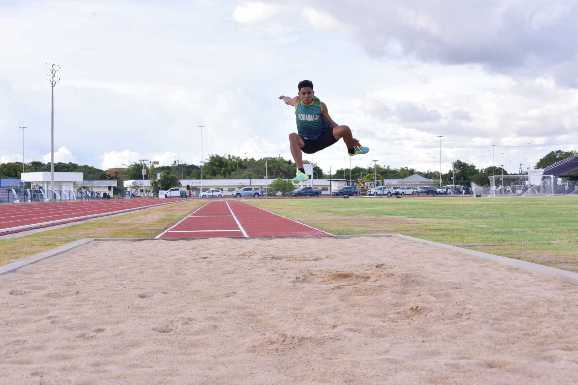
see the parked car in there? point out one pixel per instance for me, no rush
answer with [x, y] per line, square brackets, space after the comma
[404, 191]
[426, 191]
[347, 191]
[248, 192]
[381, 191]
[442, 191]
[173, 192]
[212, 193]
[306, 192]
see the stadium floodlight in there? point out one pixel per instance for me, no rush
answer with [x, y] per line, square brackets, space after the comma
[202, 157]
[22, 128]
[374, 172]
[54, 77]
[494, 167]
[440, 136]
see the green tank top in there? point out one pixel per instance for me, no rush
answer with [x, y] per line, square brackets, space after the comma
[310, 123]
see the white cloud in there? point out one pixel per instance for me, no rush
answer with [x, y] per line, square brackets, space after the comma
[62, 154]
[253, 12]
[322, 20]
[124, 158]
[466, 74]
[114, 159]
[9, 158]
[164, 158]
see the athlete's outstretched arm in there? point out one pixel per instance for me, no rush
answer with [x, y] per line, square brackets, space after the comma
[326, 116]
[289, 101]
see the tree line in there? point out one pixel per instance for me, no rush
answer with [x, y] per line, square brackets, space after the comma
[234, 167]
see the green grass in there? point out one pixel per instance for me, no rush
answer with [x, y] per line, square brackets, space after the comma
[139, 224]
[537, 229]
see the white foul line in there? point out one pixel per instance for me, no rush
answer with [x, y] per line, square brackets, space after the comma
[202, 231]
[236, 220]
[296, 221]
[181, 221]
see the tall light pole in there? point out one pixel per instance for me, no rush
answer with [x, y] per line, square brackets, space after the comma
[266, 179]
[503, 154]
[330, 179]
[54, 79]
[22, 128]
[494, 167]
[374, 173]
[502, 170]
[202, 157]
[440, 136]
[349, 184]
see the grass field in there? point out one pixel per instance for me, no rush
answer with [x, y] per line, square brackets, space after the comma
[139, 224]
[542, 230]
[537, 229]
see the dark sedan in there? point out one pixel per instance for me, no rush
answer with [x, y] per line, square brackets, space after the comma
[347, 191]
[306, 192]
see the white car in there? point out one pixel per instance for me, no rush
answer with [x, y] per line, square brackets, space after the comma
[174, 192]
[212, 193]
[405, 191]
[380, 191]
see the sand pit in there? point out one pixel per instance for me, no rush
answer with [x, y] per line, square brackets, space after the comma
[314, 311]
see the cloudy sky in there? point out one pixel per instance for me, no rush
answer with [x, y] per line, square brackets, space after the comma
[139, 77]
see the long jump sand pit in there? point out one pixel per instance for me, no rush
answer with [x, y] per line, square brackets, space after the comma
[284, 311]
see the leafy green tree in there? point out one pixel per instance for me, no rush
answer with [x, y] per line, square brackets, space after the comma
[134, 171]
[10, 170]
[281, 185]
[168, 180]
[553, 157]
[464, 172]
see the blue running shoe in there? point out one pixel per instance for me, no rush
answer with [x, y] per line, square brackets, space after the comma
[359, 150]
[300, 177]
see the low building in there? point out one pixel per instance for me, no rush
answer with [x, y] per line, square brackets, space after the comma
[412, 181]
[229, 186]
[566, 168]
[138, 187]
[67, 185]
[100, 186]
[10, 183]
[64, 187]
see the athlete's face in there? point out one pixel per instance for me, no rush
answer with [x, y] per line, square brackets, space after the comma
[306, 94]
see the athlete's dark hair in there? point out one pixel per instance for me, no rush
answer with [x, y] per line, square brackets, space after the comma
[305, 83]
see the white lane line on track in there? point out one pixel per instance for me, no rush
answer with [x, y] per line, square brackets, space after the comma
[181, 221]
[202, 231]
[208, 216]
[33, 226]
[236, 220]
[295, 221]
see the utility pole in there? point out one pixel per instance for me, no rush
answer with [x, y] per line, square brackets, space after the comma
[502, 167]
[266, 179]
[440, 136]
[374, 173]
[202, 157]
[54, 79]
[330, 181]
[494, 167]
[22, 128]
[143, 173]
[349, 171]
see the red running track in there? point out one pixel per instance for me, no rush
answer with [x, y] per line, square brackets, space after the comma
[234, 219]
[28, 216]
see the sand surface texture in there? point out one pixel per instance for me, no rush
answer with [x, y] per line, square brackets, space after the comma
[313, 311]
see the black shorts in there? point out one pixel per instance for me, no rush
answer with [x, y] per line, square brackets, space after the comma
[325, 140]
